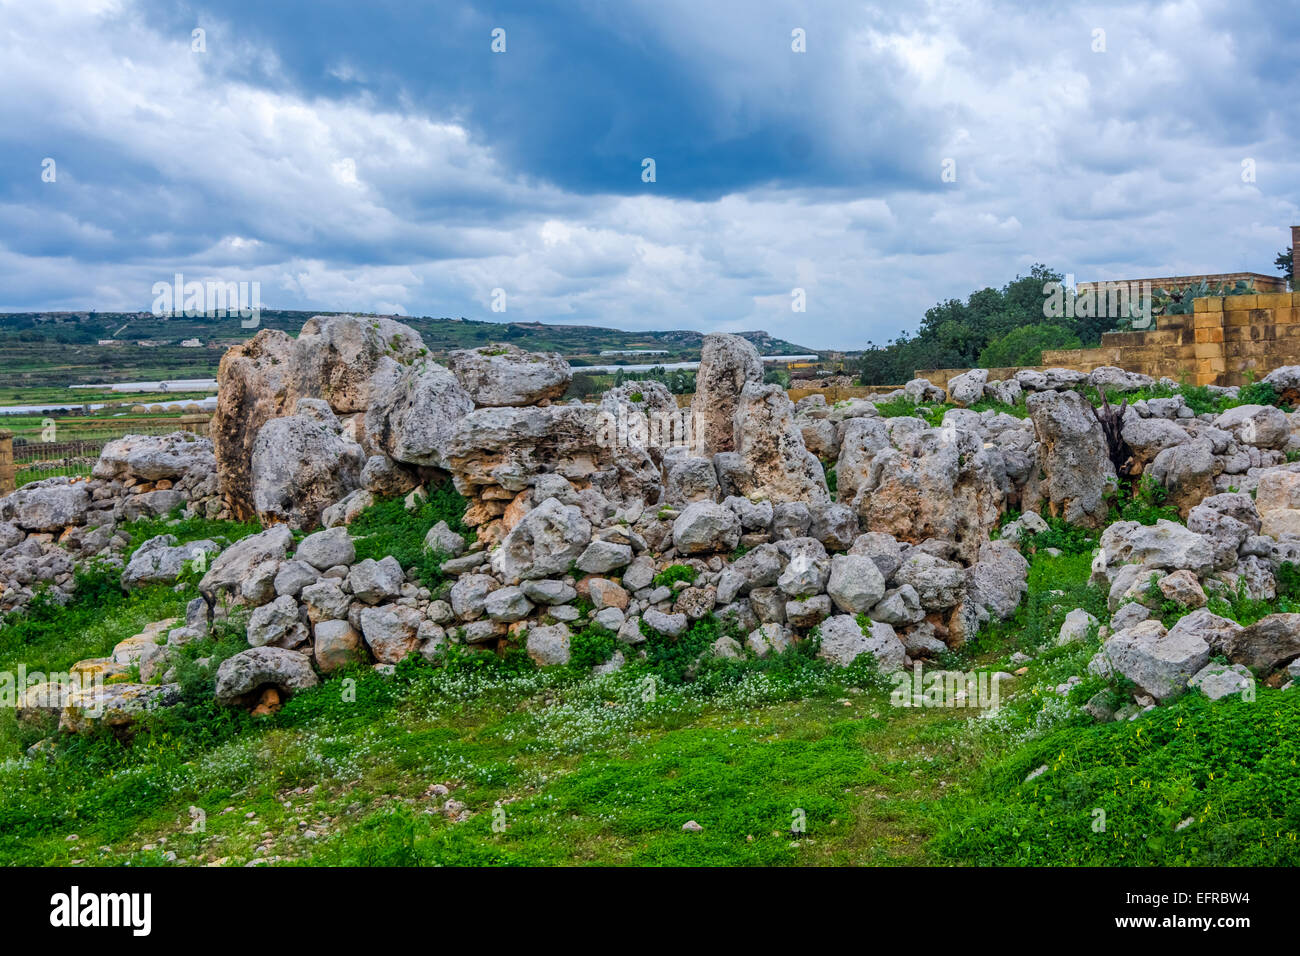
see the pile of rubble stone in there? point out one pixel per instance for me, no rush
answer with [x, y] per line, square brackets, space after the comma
[46, 527]
[579, 509]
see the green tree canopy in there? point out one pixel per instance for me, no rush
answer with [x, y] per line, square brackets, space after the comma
[1024, 345]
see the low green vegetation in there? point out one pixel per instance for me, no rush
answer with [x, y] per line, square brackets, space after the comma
[389, 527]
[674, 573]
[784, 760]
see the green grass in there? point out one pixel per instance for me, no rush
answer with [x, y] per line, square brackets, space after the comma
[674, 573]
[388, 528]
[783, 761]
[27, 475]
[186, 530]
[1113, 795]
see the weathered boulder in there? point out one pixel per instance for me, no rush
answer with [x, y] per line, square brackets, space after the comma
[549, 646]
[336, 357]
[444, 540]
[1267, 644]
[293, 576]
[769, 638]
[843, 640]
[968, 387]
[645, 415]
[727, 364]
[49, 505]
[277, 624]
[237, 563]
[928, 483]
[760, 566]
[413, 411]
[116, 705]
[384, 477]
[1187, 472]
[999, 580]
[808, 612]
[777, 466]
[856, 584]
[1277, 497]
[834, 525]
[326, 601]
[1263, 426]
[1217, 632]
[256, 382]
[881, 548]
[670, 625]
[337, 644]
[1217, 681]
[548, 591]
[300, 466]
[939, 584]
[1074, 457]
[601, 557]
[470, 593]
[155, 457]
[691, 479]
[545, 542]
[806, 571]
[1148, 437]
[900, 605]
[327, 549]
[1113, 378]
[161, 560]
[507, 604]
[704, 527]
[333, 358]
[511, 447]
[374, 582]
[1166, 544]
[391, 631]
[1158, 662]
[500, 374]
[1183, 588]
[242, 677]
[1077, 626]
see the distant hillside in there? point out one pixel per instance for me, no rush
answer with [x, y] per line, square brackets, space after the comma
[63, 348]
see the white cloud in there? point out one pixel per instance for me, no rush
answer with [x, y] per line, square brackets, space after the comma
[1099, 164]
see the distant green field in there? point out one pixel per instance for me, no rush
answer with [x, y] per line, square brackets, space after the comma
[56, 349]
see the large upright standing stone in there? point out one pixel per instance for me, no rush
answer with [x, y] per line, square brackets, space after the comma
[255, 383]
[300, 466]
[727, 364]
[777, 464]
[334, 358]
[1077, 471]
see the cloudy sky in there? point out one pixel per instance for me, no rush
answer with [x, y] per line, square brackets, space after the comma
[380, 156]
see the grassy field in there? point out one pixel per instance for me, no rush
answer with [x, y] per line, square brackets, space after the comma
[786, 761]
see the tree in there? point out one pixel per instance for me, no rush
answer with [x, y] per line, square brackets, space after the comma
[953, 334]
[1024, 346]
[1286, 265]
